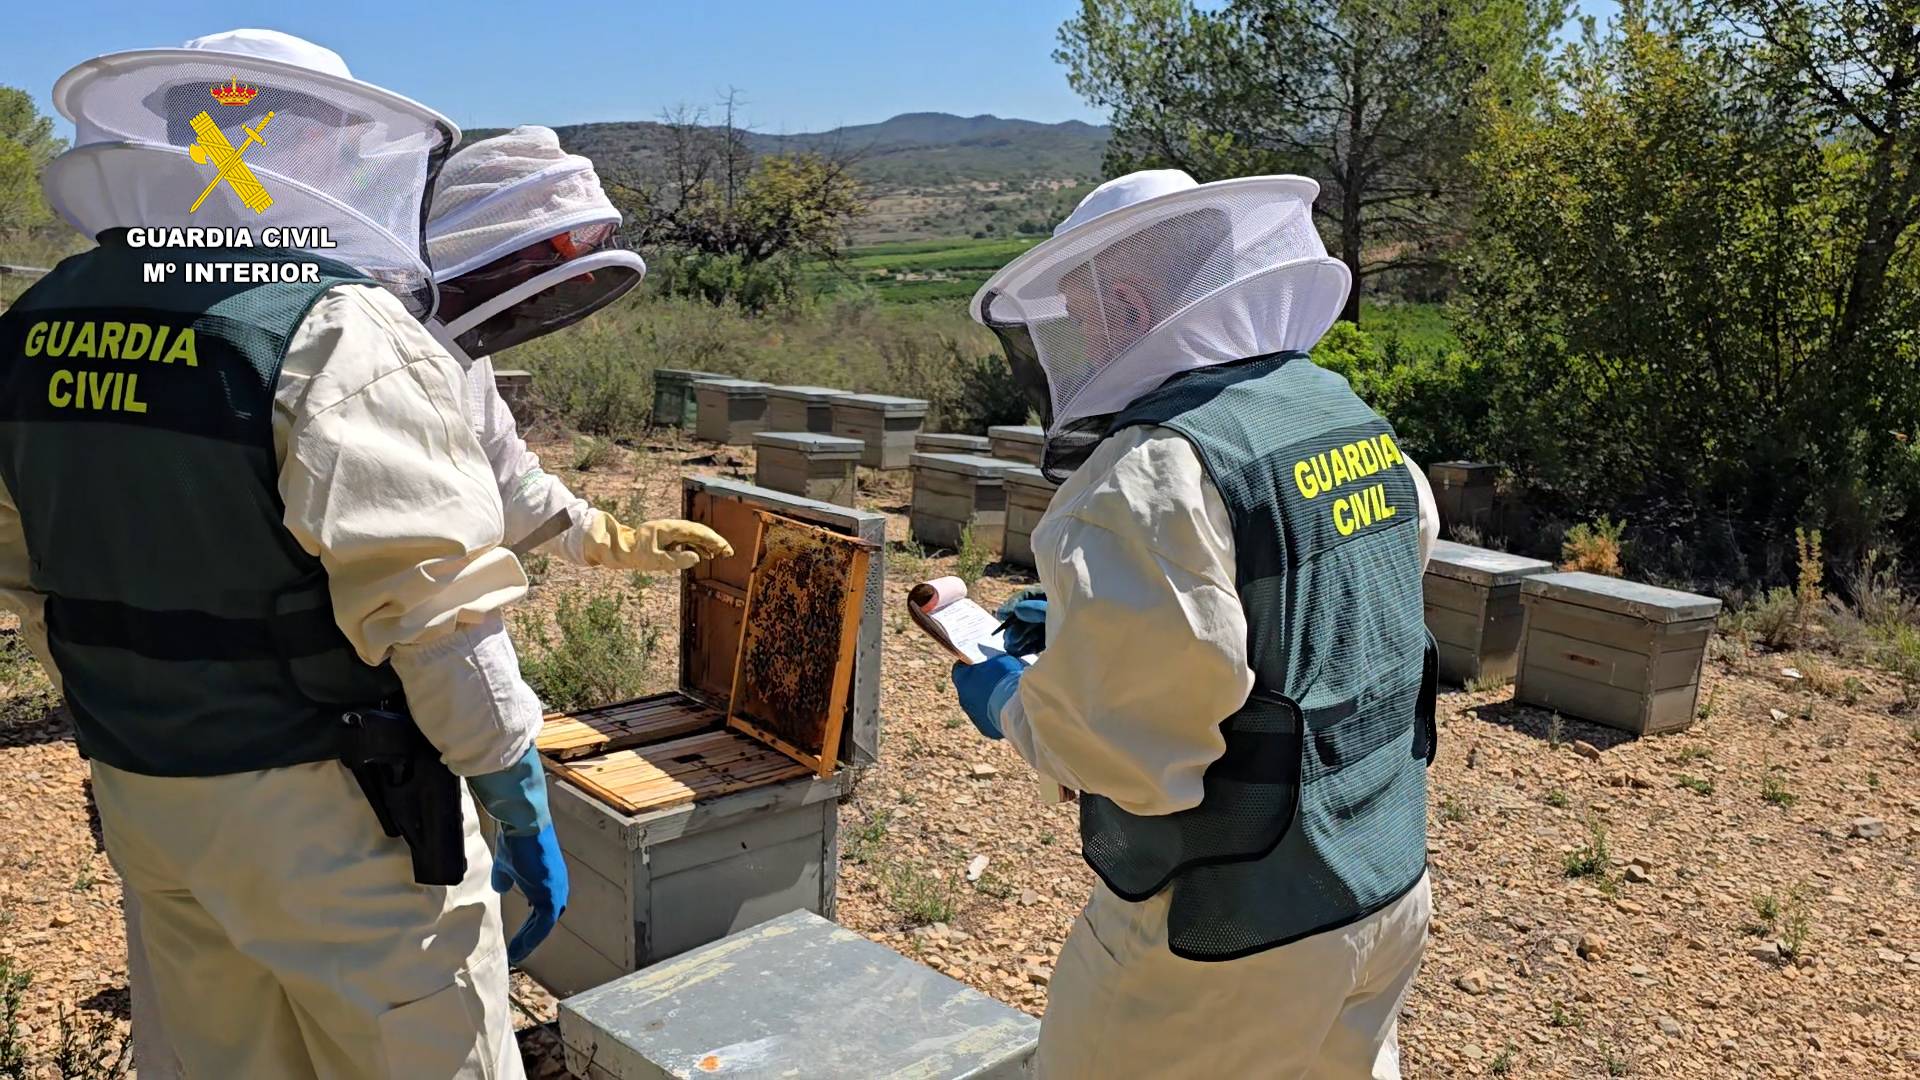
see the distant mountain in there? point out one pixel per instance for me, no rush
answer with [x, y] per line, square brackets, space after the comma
[931, 174]
[916, 149]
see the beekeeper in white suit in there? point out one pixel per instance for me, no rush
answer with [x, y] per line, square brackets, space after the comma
[288, 523]
[1234, 671]
[523, 243]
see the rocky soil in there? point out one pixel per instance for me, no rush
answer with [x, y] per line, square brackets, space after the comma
[1738, 900]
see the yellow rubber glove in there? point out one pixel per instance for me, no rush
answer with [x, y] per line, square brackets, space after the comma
[653, 546]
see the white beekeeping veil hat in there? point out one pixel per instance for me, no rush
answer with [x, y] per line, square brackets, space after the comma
[524, 241]
[337, 152]
[1154, 274]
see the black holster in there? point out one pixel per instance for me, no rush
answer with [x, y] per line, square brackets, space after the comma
[413, 793]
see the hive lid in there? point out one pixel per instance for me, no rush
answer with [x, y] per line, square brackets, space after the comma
[937, 441]
[1482, 566]
[1029, 476]
[809, 442]
[735, 387]
[805, 393]
[713, 599]
[797, 996]
[1631, 598]
[1462, 470]
[1020, 433]
[968, 464]
[886, 403]
[686, 373]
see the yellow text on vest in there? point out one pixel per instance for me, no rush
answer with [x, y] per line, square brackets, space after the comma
[106, 391]
[1329, 470]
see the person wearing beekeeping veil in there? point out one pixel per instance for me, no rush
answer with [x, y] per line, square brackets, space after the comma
[1234, 672]
[244, 558]
[524, 242]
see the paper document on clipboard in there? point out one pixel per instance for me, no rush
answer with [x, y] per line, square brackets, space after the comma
[971, 634]
[964, 628]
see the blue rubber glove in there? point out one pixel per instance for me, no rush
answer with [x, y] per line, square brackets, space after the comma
[527, 854]
[984, 689]
[1023, 618]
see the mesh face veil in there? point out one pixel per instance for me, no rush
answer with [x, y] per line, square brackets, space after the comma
[337, 152]
[524, 242]
[1132, 293]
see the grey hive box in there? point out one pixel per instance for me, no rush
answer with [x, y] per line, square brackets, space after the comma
[1463, 491]
[1473, 609]
[674, 404]
[731, 410]
[796, 997]
[1615, 652]
[954, 491]
[942, 442]
[516, 389]
[887, 425]
[1028, 494]
[820, 467]
[801, 408]
[1017, 443]
[745, 833]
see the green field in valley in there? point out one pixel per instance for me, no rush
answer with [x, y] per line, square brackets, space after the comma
[920, 270]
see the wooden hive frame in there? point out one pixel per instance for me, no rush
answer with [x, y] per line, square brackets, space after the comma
[758, 637]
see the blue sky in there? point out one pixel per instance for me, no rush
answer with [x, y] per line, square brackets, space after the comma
[805, 66]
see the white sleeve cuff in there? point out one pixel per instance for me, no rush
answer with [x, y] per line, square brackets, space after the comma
[465, 692]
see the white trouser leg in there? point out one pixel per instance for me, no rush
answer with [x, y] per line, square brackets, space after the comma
[1322, 1007]
[286, 936]
[153, 1056]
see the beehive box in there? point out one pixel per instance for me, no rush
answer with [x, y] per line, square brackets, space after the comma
[801, 463]
[795, 997]
[801, 408]
[516, 389]
[1017, 443]
[1463, 491]
[1615, 652]
[887, 425]
[1473, 609]
[674, 403]
[677, 827]
[942, 442]
[731, 410]
[954, 491]
[1028, 493]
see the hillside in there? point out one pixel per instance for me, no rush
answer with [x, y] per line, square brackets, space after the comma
[931, 174]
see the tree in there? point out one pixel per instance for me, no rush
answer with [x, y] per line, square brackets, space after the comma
[26, 145]
[1379, 100]
[739, 222]
[1693, 283]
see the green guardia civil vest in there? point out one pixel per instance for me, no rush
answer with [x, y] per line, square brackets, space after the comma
[1316, 815]
[195, 637]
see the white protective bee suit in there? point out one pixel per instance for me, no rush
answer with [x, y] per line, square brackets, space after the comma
[526, 191]
[282, 932]
[1147, 653]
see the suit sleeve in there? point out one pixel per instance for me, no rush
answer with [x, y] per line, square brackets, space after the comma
[529, 495]
[384, 480]
[16, 590]
[1146, 638]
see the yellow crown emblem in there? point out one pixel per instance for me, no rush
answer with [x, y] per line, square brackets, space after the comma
[233, 93]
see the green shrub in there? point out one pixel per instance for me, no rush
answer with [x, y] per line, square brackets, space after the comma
[1594, 549]
[974, 556]
[601, 656]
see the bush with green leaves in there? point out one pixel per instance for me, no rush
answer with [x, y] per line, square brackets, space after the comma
[595, 654]
[1693, 281]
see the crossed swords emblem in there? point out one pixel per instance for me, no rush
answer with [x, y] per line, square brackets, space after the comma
[213, 145]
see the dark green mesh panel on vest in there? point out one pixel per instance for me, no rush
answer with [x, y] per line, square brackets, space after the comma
[194, 635]
[1316, 814]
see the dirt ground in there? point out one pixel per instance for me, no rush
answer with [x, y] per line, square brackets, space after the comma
[1786, 816]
